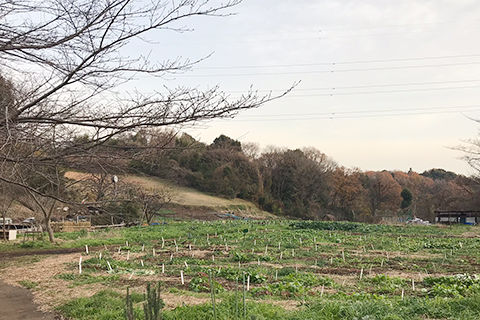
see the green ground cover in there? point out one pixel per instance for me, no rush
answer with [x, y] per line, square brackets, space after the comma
[331, 270]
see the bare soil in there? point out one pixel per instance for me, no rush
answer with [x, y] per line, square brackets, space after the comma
[17, 304]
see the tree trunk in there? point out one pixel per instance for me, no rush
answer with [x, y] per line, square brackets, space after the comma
[51, 236]
[4, 229]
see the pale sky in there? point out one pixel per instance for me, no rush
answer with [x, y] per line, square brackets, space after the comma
[385, 84]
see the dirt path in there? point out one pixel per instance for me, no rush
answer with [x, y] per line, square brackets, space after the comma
[17, 304]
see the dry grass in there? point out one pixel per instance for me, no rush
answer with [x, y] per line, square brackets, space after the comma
[188, 197]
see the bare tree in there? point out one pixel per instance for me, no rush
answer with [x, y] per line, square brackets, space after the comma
[63, 64]
[75, 52]
[154, 199]
[65, 59]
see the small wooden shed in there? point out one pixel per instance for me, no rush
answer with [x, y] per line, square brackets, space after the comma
[457, 216]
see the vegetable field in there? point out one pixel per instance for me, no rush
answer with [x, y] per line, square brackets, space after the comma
[268, 270]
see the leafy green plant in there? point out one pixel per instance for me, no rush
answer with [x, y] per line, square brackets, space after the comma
[202, 284]
[452, 286]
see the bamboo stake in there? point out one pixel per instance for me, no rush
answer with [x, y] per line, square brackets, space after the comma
[244, 301]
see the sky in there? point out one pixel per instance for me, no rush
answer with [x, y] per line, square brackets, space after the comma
[382, 84]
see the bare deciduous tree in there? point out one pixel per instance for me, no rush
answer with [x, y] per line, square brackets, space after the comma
[63, 64]
[154, 199]
[66, 59]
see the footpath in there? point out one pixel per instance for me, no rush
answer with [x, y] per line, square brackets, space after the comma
[17, 304]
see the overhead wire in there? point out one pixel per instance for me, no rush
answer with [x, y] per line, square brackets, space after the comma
[328, 71]
[358, 114]
[342, 62]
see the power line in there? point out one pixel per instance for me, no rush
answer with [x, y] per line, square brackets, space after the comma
[360, 114]
[329, 71]
[338, 29]
[365, 86]
[376, 92]
[336, 93]
[341, 62]
[317, 37]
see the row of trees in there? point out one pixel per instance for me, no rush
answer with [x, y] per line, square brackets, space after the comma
[303, 182]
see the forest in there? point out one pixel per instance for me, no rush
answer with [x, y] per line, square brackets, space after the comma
[302, 183]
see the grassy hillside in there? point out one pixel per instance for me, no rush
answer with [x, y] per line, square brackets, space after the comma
[189, 200]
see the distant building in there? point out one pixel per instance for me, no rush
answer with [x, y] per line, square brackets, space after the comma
[457, 216]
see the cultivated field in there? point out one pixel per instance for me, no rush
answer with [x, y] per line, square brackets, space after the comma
[258, 270]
